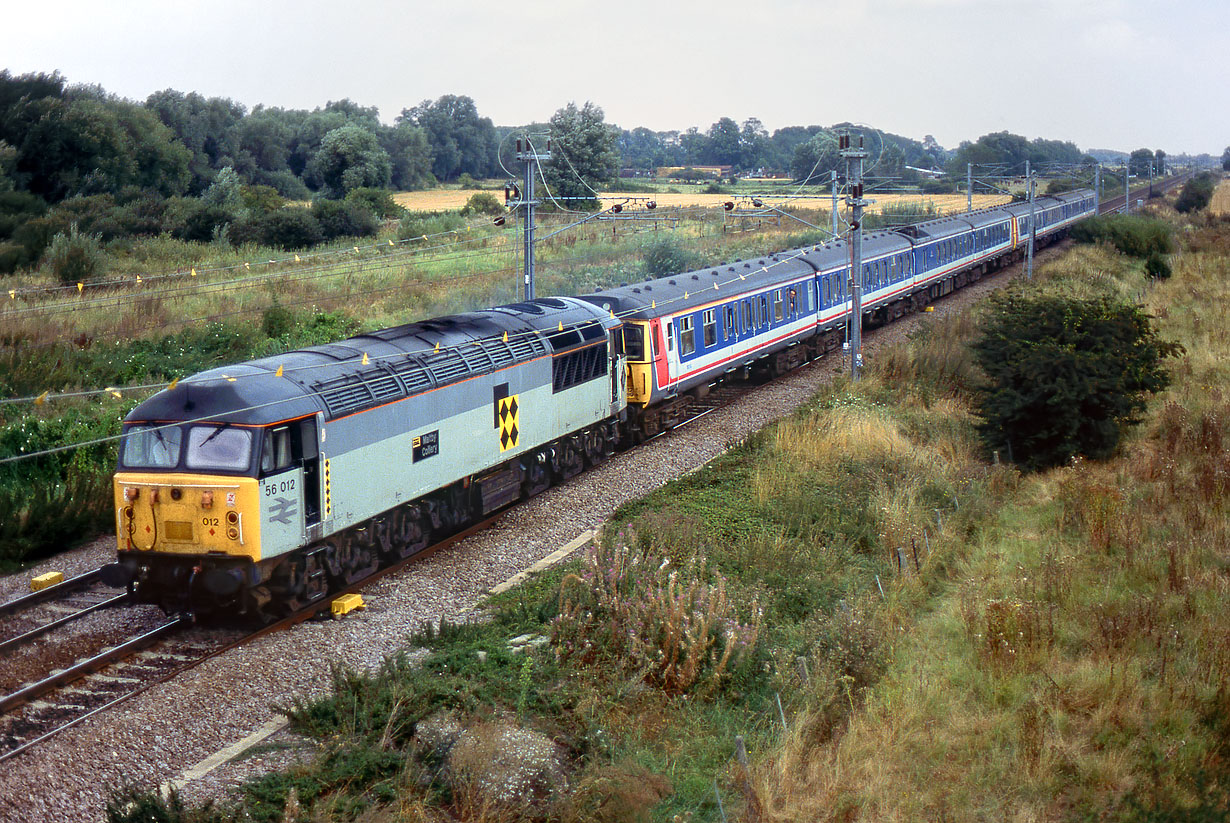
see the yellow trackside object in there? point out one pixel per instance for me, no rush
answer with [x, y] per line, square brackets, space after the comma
[41, 582]
[929, 308]
[346, 604]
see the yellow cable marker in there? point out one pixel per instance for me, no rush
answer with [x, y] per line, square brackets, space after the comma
[41, 399]
[561, 325]
[296, 258]
[390, 242]
[138, 279]
[715, 286]
[505, 337]
[437, 348]
[80, 286]
[248, 266]
[356, 249]
[174, 383]
[653, 304]
[278, 373]
[12, 294]
[194, 272]
[365, 360]
[113, 391]
[685, 295]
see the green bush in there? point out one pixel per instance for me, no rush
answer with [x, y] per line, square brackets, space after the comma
[483, 202]
[1196, 193]
[940, 186]
[1064, 376]
[666, 255]
[377, 201]
[202, 221]
[1132, 234]
[1157, 267]
[345, 218]
[465, 181]
[76, 257]
[261, 199]
[290, 228]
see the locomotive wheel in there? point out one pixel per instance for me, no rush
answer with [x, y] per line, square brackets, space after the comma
[295, 584]
[571, 461]
[408, 532]
[537, 478]
[595, 446]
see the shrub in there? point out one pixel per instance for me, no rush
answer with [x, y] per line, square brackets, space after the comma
[344, 218]
[202, 221]
[261, 199]
[465, 181]
[75, 257]
[1064, 376]
[1196, 193]
[940, 186]
[1132, 234]
[666, 255]
[16, 207]
[1157, 267]
[482, 203]
[291, 228]
[377, 201]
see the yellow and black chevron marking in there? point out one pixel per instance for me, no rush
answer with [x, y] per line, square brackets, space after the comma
[328, 496]
[509, 413]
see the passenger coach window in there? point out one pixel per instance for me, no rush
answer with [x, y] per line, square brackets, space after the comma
[728, 318]
[710, 322]
[747, 316]
[687, 336]
[219, 447]
[777, 305]
[151, 447]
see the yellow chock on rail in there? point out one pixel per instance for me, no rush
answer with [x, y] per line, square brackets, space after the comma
[346, 604]
[929, 308]
[44, 580]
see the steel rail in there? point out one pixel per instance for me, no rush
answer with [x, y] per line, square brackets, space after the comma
[49, 593]
[14, 642]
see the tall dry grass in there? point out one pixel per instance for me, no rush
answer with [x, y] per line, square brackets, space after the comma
[1077, 662]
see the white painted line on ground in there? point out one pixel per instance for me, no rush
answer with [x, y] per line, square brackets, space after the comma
[230, 752]
[546, 562]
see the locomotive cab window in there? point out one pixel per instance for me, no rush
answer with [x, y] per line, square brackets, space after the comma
[151, 447]
[276, 453]
[219, 448]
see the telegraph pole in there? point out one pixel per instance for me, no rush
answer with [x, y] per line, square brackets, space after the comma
[531, 159]
[1029, 264]
[1097, 189]
[969, 186]
[1127, 191]
[834, 180]
[854, 175]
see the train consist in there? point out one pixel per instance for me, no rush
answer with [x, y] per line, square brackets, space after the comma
[255, 489]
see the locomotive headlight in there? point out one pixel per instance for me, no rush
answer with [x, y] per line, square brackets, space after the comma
[131, 494]
[207, 500]
[232, 533]
[232, 518]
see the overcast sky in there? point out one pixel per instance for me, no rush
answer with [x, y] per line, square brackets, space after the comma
[1118, 74]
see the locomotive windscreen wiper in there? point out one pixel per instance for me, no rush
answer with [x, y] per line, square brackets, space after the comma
[217, 432]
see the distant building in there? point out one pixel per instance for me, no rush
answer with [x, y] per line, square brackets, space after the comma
[715, 172]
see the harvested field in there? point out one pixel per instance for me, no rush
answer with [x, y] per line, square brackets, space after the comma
[453, 199]
[1220, 204]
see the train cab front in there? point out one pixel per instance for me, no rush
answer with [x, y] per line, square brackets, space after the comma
[187, 500]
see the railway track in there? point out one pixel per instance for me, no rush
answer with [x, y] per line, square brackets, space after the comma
[104, 679]
[25, 619]
[1115, 204]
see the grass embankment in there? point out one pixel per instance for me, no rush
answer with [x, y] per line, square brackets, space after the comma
[948, 639]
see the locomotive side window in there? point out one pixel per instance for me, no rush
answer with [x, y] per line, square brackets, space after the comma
[151, 447]
[276, 454]
[219, 447]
